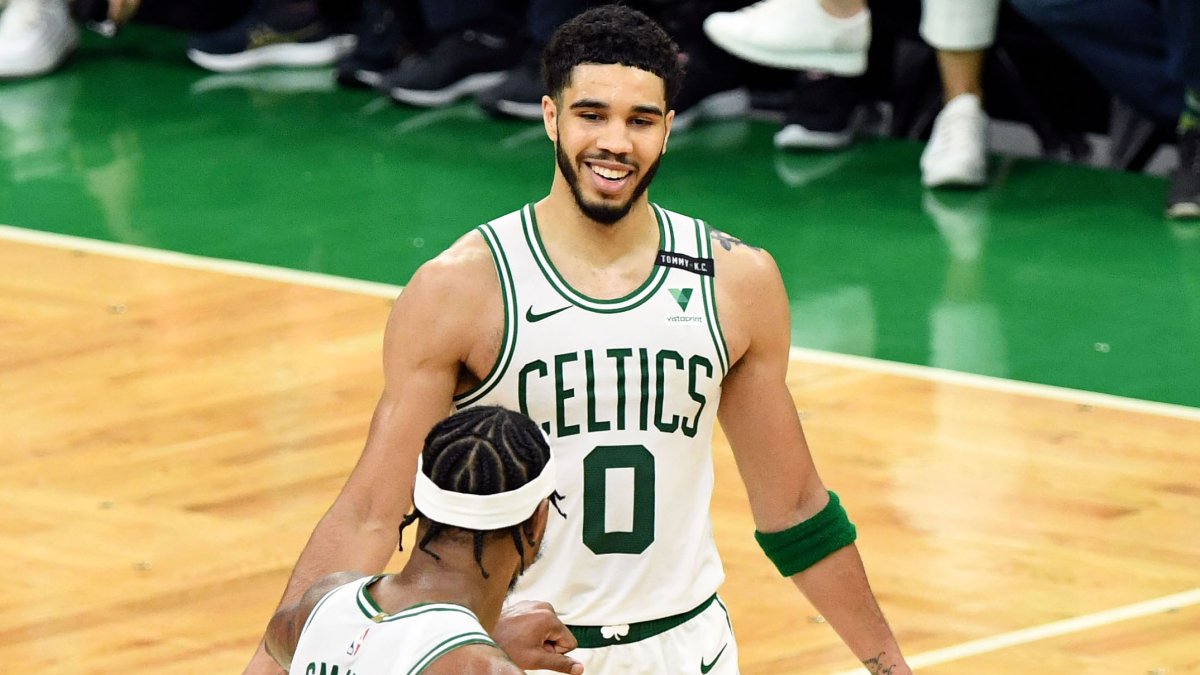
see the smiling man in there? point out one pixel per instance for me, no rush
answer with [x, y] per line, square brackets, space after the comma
[624, 330]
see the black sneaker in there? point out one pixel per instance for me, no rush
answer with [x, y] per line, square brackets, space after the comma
[259, 41]
[382, 42]
[460, 64]
[519, 94]
[709, 91]
[1183, 199]
[825, 113]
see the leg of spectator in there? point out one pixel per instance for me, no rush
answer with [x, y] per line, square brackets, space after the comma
[1120, 42]
[962, 72]
[843, 9]
[477, 42]
[519, 94]
[960, 30]
[1183, 64]
[288, 33]
[446, 15]
[1182, 19]
[827, 35]
[545, 16]
[36, 37]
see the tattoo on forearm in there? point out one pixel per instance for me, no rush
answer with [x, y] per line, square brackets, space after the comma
[728, 241]
[875, 665]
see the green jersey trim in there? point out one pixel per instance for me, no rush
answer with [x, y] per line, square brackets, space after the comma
[594, 637]
[725, 609]
[372, 610]
[653, 282]
[508, 291]
[448, 645]
[708, 288]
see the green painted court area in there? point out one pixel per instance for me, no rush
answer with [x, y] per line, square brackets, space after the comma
[1055, 274]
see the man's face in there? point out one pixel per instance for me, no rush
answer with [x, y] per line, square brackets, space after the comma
[610, 128]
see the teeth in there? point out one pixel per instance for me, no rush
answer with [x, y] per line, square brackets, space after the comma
[611, 174]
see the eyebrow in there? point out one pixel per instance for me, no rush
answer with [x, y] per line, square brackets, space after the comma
[643, 108]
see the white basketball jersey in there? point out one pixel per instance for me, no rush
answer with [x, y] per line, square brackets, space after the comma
[347, 634]
[628, 390]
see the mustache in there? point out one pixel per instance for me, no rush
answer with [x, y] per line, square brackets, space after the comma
[610, 157]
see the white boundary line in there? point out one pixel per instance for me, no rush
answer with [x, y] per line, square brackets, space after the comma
[987, 382]
[1049, 630]
[374, 289]
[185, 260]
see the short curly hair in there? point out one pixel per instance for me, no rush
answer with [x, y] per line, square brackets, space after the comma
[611, 34]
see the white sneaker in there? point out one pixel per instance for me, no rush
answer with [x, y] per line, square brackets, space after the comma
[957, 151]
[794, 34]
[36, 37]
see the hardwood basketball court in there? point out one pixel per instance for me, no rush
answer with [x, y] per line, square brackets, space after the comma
[174, 426]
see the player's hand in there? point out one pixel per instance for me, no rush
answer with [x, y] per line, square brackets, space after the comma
[121, 11]
[535, 639]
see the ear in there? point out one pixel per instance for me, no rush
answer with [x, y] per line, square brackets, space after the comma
[667, 120]
[550, 117]
[540, 518]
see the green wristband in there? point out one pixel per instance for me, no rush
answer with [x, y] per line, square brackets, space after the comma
[809, 542]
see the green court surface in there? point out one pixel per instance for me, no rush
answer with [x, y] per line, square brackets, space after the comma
[1055, 274]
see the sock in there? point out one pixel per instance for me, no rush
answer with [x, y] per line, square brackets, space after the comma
[1190, 119]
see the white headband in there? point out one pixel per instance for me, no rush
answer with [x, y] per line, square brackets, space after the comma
[482, 512]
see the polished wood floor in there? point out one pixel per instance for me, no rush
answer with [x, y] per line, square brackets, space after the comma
[168, 437]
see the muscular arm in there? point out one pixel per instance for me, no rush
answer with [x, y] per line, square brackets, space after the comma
[429, 335]
[759, 418]
[283, 633]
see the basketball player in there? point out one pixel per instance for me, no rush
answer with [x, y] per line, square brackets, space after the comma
[625, 330]
[481, 500]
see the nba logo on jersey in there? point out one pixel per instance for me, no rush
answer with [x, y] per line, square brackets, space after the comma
[356, 644]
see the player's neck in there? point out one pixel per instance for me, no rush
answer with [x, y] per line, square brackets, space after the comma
[455, 579]
[561, 205]
[560, 221]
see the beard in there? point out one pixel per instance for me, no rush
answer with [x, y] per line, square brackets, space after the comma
[602, 212]
[521, 572]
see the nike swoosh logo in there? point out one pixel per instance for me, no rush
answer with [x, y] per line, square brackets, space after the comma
[534, 317]
[705, 667]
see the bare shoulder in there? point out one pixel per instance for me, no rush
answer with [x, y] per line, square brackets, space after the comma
[476, 659]
[749, 289]
[446, 297]
[465, 265]
[740, 263]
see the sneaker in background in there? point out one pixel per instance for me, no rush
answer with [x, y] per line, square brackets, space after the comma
[36, 37]
[381, 43]
[260, 41]
[519, 94]
[460, 64]
[826, 113]
[709, 91]
[1183, 199]
[956, 155]
[794, 34]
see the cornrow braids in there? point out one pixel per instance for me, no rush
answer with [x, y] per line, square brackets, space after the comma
[483, 450]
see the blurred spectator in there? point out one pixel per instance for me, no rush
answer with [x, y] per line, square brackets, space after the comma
[1147, 54]
[486, 48]
[389, 30]
[831, 38]
[292, 33]
[38, 36]
[479, 49]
